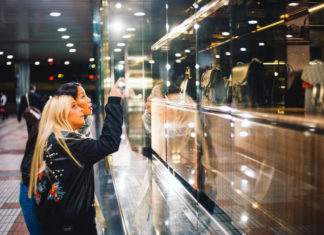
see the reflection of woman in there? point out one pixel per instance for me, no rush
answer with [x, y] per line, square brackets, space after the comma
[61, 172]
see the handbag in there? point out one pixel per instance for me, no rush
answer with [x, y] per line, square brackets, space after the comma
[31, 114]
[213, 86]
[249, 85]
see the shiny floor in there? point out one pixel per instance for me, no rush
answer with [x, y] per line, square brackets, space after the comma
[13, 136]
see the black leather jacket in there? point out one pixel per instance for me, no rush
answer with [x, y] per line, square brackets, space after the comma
[65, 192]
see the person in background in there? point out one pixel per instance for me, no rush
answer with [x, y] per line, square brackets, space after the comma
[3, 104]
[28, 204]
[34, 100]
[61, 175]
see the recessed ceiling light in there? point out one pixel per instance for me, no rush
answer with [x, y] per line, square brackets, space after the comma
[117, 50]
[65, 37]
[37, 63]
[50, 60]
[139, 14]
[187, 51]
[72, 50]
[121, 44]
[217, 56]
[118, 5]
[127, 36]
[131, 29]
[261, 44]
[9, 56]
[242, 49]
[67, 62]
[55, 14]
[178, 54]
[225, 33]
[293, 4]
[9, 62]
[92, 59]
[227, 53]
[151, 61]
[1, 52]
[289, 36]
[252, 21]
[178, 61]
[69, 44]
[61, 29]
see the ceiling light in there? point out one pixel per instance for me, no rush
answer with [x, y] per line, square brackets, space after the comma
[151, 61]
[72, 50]
[120, 67]
[252, 21]
[289, 36]
[217, 56]
[227, 53]
[178, 54]
[65, 37]
[139, 14]
[9, 62]
[50, 60]
[61, 29]
[117, 50]
[195, 5]
[92, 59]
[178, 61]
[67, 62]
[1, 52]
[127, 36]
[121, 44]
[168, 66]
[187, 51]
[37, 63]
[116, 26]
[293, 4]
[69, 44]
[225, 33]
[261, 44]
[242, 49]
[55, 14]
[9, 56]
[131, 29]
[118, 5]
[196, 26]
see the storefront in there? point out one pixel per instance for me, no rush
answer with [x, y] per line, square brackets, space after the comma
[237, 129]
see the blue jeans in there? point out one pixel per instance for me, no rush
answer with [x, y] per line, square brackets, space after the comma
[28, 210]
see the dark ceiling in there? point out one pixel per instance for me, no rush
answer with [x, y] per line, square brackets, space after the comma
[28, 32]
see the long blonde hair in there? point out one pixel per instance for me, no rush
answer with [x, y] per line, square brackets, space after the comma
[54, 120]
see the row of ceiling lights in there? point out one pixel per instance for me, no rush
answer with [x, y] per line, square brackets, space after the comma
[65, 36]
[117, 26]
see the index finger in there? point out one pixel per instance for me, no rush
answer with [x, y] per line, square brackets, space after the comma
[118, 81]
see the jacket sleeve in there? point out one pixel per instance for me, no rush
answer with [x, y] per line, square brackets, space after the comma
[22, 107]
[89, 151]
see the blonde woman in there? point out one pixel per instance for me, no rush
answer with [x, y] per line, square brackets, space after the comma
[61, 171]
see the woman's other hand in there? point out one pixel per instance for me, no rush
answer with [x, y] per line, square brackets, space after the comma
[115, 90]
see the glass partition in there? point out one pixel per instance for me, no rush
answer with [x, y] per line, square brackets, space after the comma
[225, 92]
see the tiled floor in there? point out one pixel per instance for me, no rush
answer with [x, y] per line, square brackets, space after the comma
[13, 136]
